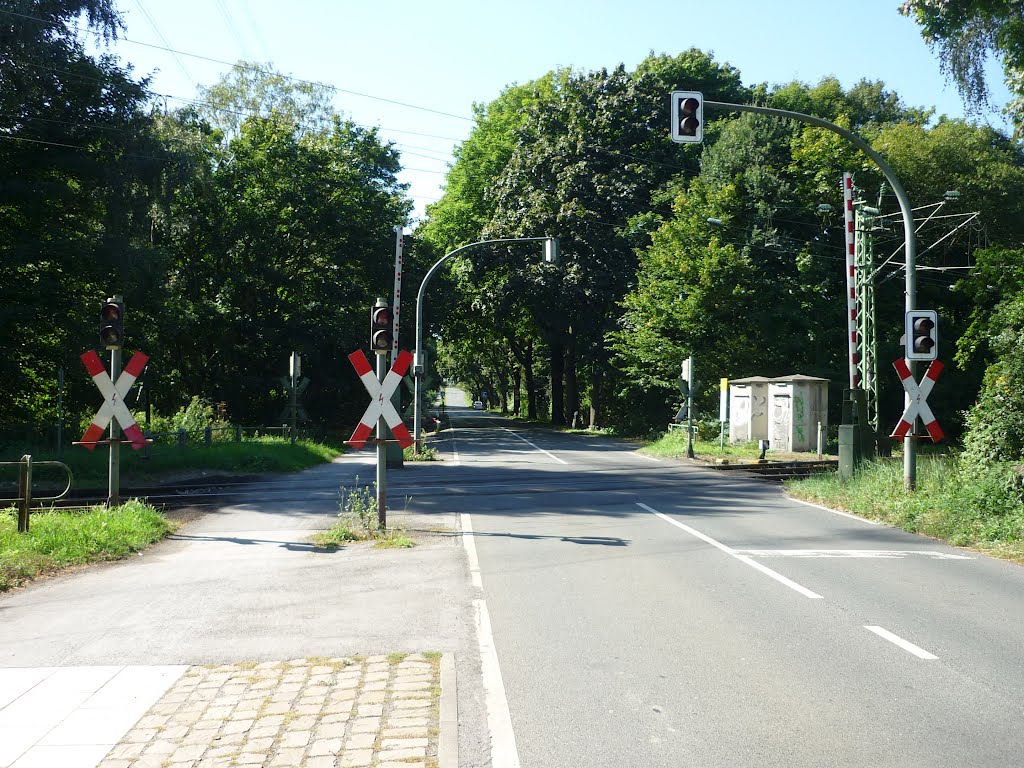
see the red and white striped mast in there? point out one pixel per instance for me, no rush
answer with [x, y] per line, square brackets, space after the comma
[851, 285]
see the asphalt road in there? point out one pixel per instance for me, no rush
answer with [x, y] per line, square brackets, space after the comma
[605, 609]
[656, 614]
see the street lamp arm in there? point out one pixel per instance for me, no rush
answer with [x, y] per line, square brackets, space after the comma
[460, 249]
[910, 297]
[417, 370]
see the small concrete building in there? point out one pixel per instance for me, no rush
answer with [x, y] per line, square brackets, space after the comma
[796, 405]
[748, 409]
[784, 410]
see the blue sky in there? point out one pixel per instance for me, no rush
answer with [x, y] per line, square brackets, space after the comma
[444, 56]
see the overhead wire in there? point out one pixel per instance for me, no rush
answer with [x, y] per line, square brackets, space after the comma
[261, 70]
[177, 58]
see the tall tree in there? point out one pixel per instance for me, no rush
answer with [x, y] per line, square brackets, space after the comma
[964, 33]
[81, 170]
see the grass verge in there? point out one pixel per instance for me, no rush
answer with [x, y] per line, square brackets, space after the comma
[672, 445]
[967, 507]
[250, 456]
[57, 540]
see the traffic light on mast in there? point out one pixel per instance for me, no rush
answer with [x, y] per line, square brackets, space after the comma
[688, 117]
[112, 324]
[381, 327]
[922, 339]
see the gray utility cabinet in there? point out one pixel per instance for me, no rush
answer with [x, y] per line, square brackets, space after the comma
[785, 410]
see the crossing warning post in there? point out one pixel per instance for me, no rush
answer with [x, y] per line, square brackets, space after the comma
[382, 413]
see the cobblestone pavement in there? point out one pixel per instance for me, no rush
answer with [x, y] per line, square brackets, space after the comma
[355, 712]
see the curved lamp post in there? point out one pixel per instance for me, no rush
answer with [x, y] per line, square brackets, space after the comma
[550, 256]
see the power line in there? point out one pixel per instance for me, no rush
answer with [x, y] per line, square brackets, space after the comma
[152, 23]
[260, 70]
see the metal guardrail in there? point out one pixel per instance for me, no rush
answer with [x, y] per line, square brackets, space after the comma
[25, 497]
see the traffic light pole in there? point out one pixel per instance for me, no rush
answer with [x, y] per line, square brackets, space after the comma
[689, 411]
[910, 291]
[382, 450]
[114, 474]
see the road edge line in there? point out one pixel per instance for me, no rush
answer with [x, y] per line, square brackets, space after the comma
[470, 546]
[499, 720]
[833, 511]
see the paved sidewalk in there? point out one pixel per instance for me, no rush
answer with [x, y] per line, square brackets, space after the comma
[354, 712]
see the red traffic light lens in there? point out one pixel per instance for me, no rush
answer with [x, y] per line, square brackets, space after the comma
[924, 344]
[110, 313]
[923, 325]
[381, 340]
[382, 317]
[687, 107]
[110, 336]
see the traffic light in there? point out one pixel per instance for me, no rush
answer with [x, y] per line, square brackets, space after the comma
[381, 328]
[112, 324]
[688, 117]
[922, 339]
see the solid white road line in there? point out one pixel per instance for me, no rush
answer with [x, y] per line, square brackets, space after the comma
[834, 511]
[642, 456]
[921, 653]
[730, 551]
[880, 554]
[455, 450]
[499, 721]
[535, 446]
[470, 545]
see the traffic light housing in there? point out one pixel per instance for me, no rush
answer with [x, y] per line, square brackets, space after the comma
[381, 327]
[922, 334]
[687, 117]
[112, 324]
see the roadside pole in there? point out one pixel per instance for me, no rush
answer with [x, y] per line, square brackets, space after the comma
[382, 448]
[296, 371]
[689, 412]
[114, 475]
[910, 289]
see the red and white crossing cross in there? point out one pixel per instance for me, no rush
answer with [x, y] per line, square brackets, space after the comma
[113, 399]
[917, 405]
[380, 399]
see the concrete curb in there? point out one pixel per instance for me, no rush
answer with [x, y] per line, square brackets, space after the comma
[448, 739]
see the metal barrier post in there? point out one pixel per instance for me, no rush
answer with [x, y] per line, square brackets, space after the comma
[208, 436]
[238, 433]
[182, 437]
[24, 492]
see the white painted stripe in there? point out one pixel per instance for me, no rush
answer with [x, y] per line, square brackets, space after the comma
[535, 446]
[455, 449]
[470, 544]
[499, 721]
[921, 653]
[642, 456]
[881, 554]
[834, 511]
[730, 551]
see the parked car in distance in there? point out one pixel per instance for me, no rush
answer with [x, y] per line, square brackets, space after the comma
[478, 406]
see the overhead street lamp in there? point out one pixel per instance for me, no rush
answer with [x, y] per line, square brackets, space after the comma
[551, 256]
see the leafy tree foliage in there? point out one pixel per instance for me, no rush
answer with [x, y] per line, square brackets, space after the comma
[232, 242]
[252, 89]
[81, 172]
[964, 33]
[995, 423]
